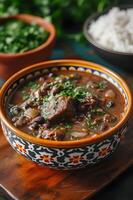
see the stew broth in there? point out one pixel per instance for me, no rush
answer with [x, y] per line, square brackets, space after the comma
[64, 107]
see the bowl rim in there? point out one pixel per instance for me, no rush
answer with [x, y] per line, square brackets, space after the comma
[92, 18]
[48, 26]
[63, 144]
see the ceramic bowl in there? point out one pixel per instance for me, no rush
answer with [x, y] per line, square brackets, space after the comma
[64, 154]
[120, 59]
[11, 63]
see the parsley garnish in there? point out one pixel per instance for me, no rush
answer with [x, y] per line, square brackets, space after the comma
[17, 36]
[68, 88]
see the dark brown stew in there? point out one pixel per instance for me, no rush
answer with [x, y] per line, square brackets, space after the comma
[66, 106]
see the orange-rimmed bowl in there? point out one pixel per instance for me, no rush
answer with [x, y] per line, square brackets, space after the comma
[11, 63]
[64, 154]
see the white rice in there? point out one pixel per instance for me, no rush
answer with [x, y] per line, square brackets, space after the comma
[114, 30]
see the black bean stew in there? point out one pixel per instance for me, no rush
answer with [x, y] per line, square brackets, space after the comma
[64, 107]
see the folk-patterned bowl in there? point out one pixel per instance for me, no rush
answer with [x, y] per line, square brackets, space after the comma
[64, 154]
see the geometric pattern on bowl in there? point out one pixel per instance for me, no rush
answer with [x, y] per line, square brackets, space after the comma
[60, 158]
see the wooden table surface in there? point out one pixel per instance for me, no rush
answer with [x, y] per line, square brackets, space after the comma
[25, 180]
[28, 181]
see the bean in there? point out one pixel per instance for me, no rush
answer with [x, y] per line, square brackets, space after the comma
[41, 79]
[47, 125]
[44, 88]
[37, 93]
[30, 102]
[104, 126]
[33, 126]
[110, 94]
[60, 134]
[110, 104]
[26, 106]
[55, 90]
[91, 84]
[14, 119]
[15, 110]
[75, 76]
[109, 118]
[39, 120]
[50, 75]
[106, 117]
[21, 121]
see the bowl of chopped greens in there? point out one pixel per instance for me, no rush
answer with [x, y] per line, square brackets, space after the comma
[24, 39]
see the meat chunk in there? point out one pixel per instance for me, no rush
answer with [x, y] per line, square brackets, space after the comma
[58, 108]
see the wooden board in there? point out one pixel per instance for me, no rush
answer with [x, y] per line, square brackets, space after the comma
[21, 179]
[25, 180]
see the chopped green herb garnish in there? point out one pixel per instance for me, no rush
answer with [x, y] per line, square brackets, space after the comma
[25, 95]
[30, 85]
[90, 119]
[68, 126]
[97, 111]
[92, 124]
[68, 88]
[17, 36]
[33, 85]
[102, 85]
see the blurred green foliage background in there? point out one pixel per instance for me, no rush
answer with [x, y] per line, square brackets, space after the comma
[66, 15]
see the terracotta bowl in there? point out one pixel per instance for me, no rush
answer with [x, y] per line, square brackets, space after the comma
[11, 63]
[64, 154]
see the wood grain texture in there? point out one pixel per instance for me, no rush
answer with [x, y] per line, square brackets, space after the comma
[5, 194]
[26, 180]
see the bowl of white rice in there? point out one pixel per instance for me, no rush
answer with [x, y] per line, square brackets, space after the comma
[111, 35]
